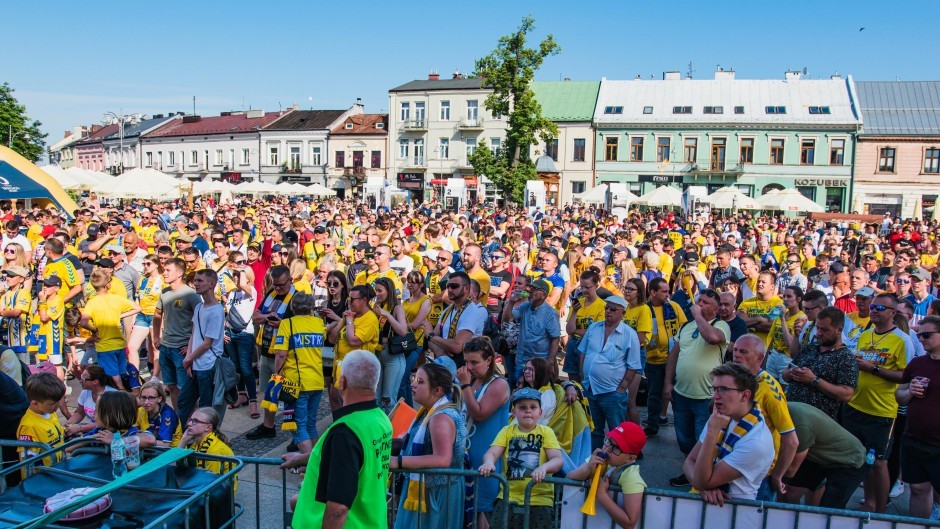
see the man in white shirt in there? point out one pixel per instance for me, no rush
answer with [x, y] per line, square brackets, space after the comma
[205, 347]
[11, 233]
[737, 427]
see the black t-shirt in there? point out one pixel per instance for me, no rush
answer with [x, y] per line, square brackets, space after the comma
[738, 329]
[341, 460]
[13, 405]
[494, 304]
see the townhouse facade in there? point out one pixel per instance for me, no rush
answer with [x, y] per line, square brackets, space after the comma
[757, 135]
[566, 163]
[358, 151]
[295, 147]
[89, 152]
[123, 150]
[62, 152]
[897, 167]
[434, 126]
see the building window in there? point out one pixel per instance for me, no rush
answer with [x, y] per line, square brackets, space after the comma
[246, 156]
[471, 148]
[647, 110]
[613, 110]
[718, 154]
[473, 110]
[405, 111]
[747, 151]
[376, 162]
[578, 151]
[636, 149]
[193, 158]
[776, 152]
[932, 160]
[819, 110]
[662, 149]
[836, 152]
[738, 110]
[419, 111]
[691, 150]
[340, 159]
[808, 192]
[295, 157]
[349, 126]
[636, 188]
[171, 158]
[444, 148]
[714, 110]
[551, 149]
[218, 157]
[149, 158]
[775, 110]
[495, 146]
[577, 187]
[403, 150]
[681, 110]
[807, 152]
[419, 152]
[610, 150]
[886, 160]
[273, 158]
[445, 110]
[316, 155]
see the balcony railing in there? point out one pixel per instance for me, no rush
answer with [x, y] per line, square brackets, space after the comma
[471, 123]
[414, 124]
[354, 171]
[415, 162]
[717, 165]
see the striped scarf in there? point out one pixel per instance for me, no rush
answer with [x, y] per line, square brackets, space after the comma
[727, 440]
[417, 500]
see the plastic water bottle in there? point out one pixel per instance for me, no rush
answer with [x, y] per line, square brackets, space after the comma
[870, 458]
[118, 463]
[132, 452]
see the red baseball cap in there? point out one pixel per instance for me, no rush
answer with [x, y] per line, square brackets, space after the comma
[629, 437]
[47, 231]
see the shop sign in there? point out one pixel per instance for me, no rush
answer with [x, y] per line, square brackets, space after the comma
[824, 182]
[299, 179]
[661, 178]
[410, 177]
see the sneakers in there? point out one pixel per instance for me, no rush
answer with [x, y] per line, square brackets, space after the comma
[650, 432]
[679, 481]
[897, 489]
[292, 447]
[261, 432]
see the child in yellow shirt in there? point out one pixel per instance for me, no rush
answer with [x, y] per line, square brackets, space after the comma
[40, 424]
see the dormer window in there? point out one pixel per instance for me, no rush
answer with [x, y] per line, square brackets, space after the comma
[819, 110]
[349, 126]
[380, 125]
[775, 110]
[613, 110]
[681, 110]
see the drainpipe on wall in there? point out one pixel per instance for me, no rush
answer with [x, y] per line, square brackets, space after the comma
[849, 199]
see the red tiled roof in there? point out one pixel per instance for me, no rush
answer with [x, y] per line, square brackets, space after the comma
[363, 124]
[99, 135]
[229, 124]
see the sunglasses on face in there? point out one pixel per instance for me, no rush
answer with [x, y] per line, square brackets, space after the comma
[880, 308]
[241, 262]
[454, 286]
[334, 284]
[925, 335]
[902, 281]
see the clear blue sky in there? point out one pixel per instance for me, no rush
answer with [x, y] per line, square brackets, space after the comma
[70, 62]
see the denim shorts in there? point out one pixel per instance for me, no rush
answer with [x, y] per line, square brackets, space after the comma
[114, 363]
[142, 320]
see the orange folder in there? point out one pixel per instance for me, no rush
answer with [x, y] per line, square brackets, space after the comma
[402, 415]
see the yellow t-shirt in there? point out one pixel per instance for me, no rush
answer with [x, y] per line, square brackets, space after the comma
[657, 350]
[774, 339]
[928, 260]
[525, 451]
[754, 307]
[666, 265]
[16, 330]
[116, 287]
[808, 263]
[412, 307]
[697, 358]
[303, 286]
[312, 253]
[51, 333]
[589, 314]
[302, 338]
[367, 330]
[859, 321]
[779, 251]
[369, 278]
[161, 421]
[34, 234]
[36, 428]
[434, 287]
[105, 313]
[146, 234]
[148, 292]
[772, 402]
[873, 394]
[640, 318]
[483, 279]
[630, 480]
[214, 446]
[64, 270]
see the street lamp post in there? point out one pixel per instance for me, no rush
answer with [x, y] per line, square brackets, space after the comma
[113, 119]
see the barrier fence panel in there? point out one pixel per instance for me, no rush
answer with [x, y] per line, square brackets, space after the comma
[263, 500]
[394, 497]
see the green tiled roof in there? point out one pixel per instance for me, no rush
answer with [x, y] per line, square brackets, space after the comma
[567, 100]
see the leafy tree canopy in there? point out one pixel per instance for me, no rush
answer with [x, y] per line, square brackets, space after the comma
[27, 139]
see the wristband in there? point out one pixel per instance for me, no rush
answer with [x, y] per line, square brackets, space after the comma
[465, 386]
[399, 461]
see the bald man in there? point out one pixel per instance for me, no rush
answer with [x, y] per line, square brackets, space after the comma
[749, 351]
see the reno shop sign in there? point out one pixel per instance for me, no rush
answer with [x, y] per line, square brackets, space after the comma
[825, 182]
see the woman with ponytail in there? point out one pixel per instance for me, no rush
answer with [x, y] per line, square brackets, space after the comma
[435, 439]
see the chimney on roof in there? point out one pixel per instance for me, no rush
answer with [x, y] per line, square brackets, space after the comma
[457, 75]
[724, 75]
[255, 114]
[672, 76]
[192, 119]
[433, 76]
[359, 102]
[94, 128]
[836, 77]
[67, 133]
[792, 76]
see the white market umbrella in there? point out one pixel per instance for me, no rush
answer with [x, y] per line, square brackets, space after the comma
[663, 196]
[137, 185]
[320, 190]
[225, 195]
[204, 187]
[730, 198]
[61, 177]
[89, 178]
[595, 195]
[788, 200]
[286, 189]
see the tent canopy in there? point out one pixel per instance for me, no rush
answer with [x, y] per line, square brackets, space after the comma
[731, 197]
[595, 195]
[788, 200]
[20, 179]
[140, 183]
[663, 196]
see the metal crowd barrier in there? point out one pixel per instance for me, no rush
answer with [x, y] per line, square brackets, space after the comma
[245, 495]
[394, 498]
[666, 508]
[188, 498]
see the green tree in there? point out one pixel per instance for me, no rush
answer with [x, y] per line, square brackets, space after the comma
[27, 139]
[509, 70]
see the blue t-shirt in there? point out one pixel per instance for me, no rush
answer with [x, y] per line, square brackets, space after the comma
[920, 308]
[163, 426]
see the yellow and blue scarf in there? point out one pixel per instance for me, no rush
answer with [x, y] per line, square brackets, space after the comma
[417, 499]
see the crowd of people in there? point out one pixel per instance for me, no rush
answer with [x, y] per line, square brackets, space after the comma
[794, 354]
